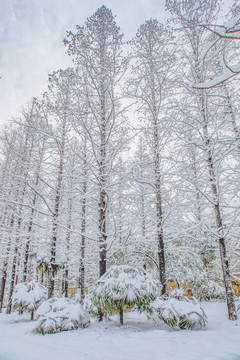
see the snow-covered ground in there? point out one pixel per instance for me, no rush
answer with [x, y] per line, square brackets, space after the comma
[138, 339]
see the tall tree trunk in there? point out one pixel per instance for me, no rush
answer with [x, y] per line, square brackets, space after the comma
[3, 284]
[232, 314]
[83, 230]
[52, 267]
[102, 207]
[142, 194]
[103, 236]
[27, 249]
[121, 316]
[30, 225]
[66, 282]
[158, 195]
[161, 253]
[12, 281]
[68, 238]
[5, 266]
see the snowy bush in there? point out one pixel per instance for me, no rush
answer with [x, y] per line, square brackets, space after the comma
[121, 288]
[28, 296]
[60, 314]
[179, 312]
[86, 303]
[90, 306]
[190, 269]
[209, 290]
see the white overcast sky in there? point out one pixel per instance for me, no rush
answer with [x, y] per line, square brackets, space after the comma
[31, 34]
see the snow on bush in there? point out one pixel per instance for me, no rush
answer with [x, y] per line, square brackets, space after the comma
[121, 288]
[90, 306]
[60, 314]
[28, 296]
[209, 290]
[179, 312]
[86, 303]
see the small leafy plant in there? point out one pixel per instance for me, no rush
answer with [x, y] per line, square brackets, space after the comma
[60, 314]
[122, 288]
[28, 296]
[177, 311]
[209, 290]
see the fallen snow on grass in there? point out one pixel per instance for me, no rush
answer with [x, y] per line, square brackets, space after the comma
[138, 339]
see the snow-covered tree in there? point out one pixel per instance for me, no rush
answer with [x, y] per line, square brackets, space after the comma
[226, 36]
[20, 211]
[202, 122]
[58, 103]
[96, 47]
[150, 85]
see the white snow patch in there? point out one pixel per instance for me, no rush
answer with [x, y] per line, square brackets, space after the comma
[139, 339]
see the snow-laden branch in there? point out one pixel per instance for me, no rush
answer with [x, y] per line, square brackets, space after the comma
[228, 74]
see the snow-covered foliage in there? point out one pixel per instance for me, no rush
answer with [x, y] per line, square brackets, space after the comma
[209, 290]
[28, 296]
[185, 265]
[123, 287]
[178, 311]
[89, 306]
[60, 314]
[87, 303]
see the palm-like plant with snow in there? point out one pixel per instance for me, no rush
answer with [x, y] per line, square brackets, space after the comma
[179, 312]
[60, 314]
[28, 296]
[123, 287]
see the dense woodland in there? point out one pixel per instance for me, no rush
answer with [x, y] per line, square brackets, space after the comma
[131, 156]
